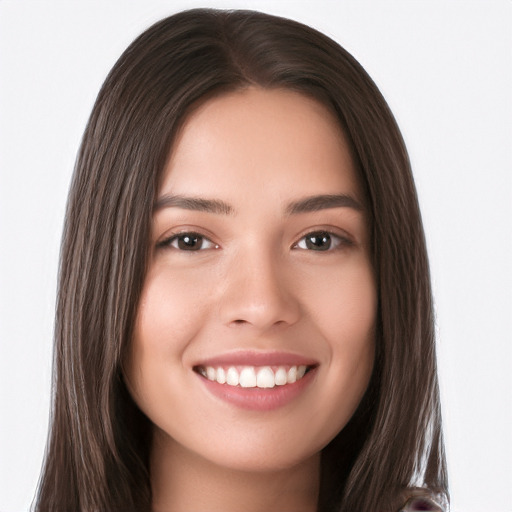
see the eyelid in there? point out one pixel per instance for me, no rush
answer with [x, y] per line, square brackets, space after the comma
[169, 238]
[343, 239]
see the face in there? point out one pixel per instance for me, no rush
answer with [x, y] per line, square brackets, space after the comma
[254, 338]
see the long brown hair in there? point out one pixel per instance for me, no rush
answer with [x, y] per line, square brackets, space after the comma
[97, 454]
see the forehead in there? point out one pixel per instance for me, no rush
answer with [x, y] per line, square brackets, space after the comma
[271, 140]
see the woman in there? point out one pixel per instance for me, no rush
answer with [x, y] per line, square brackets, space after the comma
[244, 314]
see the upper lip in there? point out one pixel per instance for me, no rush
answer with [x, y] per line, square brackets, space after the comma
[257, 358]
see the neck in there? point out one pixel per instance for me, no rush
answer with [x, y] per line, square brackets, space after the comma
[182, 480]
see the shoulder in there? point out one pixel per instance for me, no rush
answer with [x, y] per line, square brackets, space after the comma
[420, 500]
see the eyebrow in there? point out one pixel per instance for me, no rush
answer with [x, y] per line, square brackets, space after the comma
[323, 202]
[308, 204]
[193, 203]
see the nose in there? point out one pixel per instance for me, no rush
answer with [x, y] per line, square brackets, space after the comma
[259, 291]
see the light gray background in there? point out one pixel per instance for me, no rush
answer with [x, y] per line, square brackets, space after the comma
[445, 68]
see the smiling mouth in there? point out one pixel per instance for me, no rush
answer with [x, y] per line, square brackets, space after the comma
[262, 377]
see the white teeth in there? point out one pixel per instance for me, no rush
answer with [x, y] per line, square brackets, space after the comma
[266, 378]
[281, 377]
[232, 377]
[221, 375]
[248, 377]
[210, 373]
[251, 377]
[292, 375]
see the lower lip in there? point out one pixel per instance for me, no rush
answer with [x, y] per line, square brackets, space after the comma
[258, 399]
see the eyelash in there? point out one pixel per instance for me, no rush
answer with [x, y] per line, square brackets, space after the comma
[339, 241]
[177, 237]
[323, 236]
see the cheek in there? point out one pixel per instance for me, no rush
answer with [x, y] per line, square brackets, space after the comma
[345, 312]
[352, 300]
[350, 324]
[343, 305]
[170, 314]
[172, 306]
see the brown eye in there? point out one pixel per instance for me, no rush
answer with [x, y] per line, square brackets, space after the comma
[188, 242]
[320, 241]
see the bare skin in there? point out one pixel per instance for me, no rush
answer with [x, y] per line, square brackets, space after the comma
[260, 258]
[213, 488]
